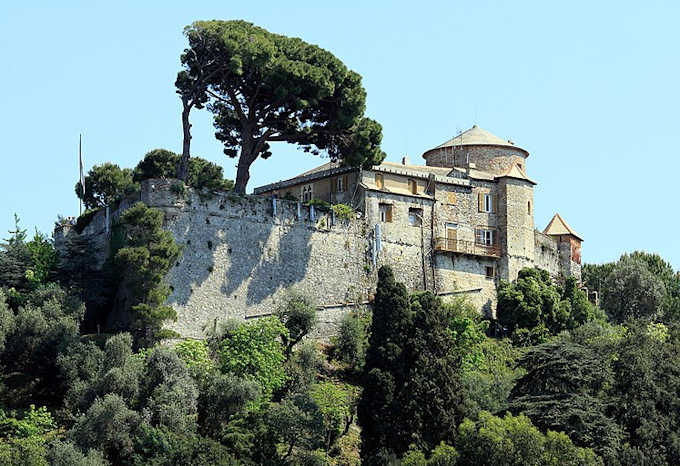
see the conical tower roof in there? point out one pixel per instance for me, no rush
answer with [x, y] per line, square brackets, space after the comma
[558, 226]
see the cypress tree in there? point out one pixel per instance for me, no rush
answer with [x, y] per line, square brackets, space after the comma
[412, 390]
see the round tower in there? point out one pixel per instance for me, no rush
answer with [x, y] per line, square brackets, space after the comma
[477, 148]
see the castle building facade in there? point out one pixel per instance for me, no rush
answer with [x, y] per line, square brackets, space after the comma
[472, 205]
[456, 226]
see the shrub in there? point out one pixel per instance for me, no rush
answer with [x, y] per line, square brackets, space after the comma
[352, 340]
[343, 211]
[178, 188]
[254, 350]
[161, 163]
[298, 314]
[321, 206]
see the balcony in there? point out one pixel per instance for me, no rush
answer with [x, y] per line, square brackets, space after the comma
[466, 247]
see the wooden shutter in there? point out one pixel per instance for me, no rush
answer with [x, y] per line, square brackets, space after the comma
[494, 202]
[480, 201]
[345, 183]
[388, 213]
[334, 184]
[452, 198]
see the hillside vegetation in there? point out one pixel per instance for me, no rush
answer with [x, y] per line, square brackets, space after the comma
[413, 380]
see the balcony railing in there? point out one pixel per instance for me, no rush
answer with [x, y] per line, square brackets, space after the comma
[466, 247]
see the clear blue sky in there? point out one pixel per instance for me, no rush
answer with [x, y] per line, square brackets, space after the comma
[591, 89]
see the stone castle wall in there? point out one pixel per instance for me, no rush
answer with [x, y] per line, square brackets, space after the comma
[242, 253]
[547, 254]
[240, 257]
[494, 159]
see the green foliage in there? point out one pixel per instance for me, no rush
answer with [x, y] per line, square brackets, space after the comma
[565, 389]
[297, 422]
[162, 163]
[66, 454]
[337, 404]
[222, 397]
[343, 211]
[105, 184]
[488, 385]
[352, 340]
[412, 389]
[29, 451]
[160, 447]
[142, 264]
[302, 368]
[632, 291]
[196, 355]
[33, 337]
[534, 301]
[646, 383]
[469, 332]
[15, 259]
[43, 259]
[254, 350]
[296, 92]
[109, 425]
[319, 205]
[298, 314]
[178, 188]
[442, 455]
[513, 440]
[33, 422]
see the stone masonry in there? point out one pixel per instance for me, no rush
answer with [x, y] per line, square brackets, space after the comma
[456, 226]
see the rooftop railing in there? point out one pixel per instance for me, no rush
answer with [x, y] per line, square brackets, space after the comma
[466, 247]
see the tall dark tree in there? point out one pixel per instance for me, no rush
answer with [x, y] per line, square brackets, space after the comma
[264, 87]
[385, 371]
[201, 63]
[412, 389]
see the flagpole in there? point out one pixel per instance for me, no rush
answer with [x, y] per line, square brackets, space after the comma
[80, 160]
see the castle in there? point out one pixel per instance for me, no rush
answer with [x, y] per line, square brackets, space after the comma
[455, 226]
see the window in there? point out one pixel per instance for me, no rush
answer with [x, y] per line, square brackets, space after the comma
[341, 184]
[379, 181]
[489, 271]
[485, 237]
[415, 217]
[529, 207]
[385, 212]
[413, 186]
[307, 193]
[487, 202]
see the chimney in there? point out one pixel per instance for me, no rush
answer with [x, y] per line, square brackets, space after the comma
[404, 160]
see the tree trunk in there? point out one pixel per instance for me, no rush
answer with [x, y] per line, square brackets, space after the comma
[183, 167]
[242, 176]
[245, 160]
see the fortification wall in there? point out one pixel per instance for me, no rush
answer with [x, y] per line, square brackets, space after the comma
[241, 254]
[547, 254]
[240, 257]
